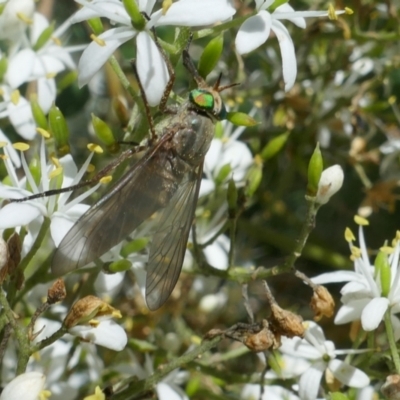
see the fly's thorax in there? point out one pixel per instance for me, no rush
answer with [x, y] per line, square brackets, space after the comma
[193, 140]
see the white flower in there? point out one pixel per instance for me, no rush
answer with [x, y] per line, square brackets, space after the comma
[62, 214]
[330, 182]
[18, 110]
[41, 64]
[363, 297]
[321, 354]
[107, 334]
[252, 391]
[15, 18]
[226, 152]
[150, 64]
[256, 30]
[27, 386]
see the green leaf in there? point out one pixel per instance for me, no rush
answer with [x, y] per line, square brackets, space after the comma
[211, 55]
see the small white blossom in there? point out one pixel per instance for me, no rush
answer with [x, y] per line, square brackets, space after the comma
[255, 31]
[330, 182]
[62, 213]
[321, 354]
[150, 64]
[27, 386]
[362, 295]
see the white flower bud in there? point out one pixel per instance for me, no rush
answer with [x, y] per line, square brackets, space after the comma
[27, 386]
[331, 181]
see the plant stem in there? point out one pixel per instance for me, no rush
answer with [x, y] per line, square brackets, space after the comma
[392, 341]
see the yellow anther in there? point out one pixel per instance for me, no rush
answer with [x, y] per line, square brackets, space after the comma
[90, 168]
[3, 157]
[3, 144]
[258, 104]
[44, 394]
[99, 41]
[15, 96]
[348, 11]
[24, 18]
[360, 220]
[56, 40]
[392, 100]
[95, 148]
[332, 12]
[43, 132]
[348, 235]
[387, 250]
[106, 179]
[55, 161]
[166, 4]
[356, 252]
[116, 314]
[94, 323]
[56, 172]
[21, 146]
[51, 75]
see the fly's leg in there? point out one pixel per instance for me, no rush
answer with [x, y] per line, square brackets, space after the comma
[188, 63]
[101, 174]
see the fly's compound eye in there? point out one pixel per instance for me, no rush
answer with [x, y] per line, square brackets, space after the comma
[209, 101]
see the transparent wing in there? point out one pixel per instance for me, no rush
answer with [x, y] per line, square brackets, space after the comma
[138, 194]
[169, 242]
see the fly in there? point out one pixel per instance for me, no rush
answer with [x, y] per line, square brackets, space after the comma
[167, 179]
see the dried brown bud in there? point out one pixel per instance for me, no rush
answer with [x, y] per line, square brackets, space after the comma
[391, 388]
[14, 250]
[57, 292]
[262, 340]
[322, 303]
[4, 256]
[286, 323]
[85, 310]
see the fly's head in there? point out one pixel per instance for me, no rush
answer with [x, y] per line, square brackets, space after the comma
[208, 101]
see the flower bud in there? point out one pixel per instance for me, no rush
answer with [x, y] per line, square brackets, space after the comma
[223, 173]
[4, 257]
[240, 119]
[59, 128]
[102, 131]
[211, 54]
[232, 196]
[391, 388]
[137, 18]
[86, 309]
[331, 181]
[285, 322]
[119, 266]
[96, 25]
[3, 67]
[322, 303]
[315, 167]
[274, 146]
[44, 37]
[382, 268]
[37, 112]
[254, 176]
[57, 292]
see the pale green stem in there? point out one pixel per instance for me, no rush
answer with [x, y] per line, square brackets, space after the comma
[392, 341]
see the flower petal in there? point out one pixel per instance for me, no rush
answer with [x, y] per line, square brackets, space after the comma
[107, 334]
[280, 12]
[309, 382]
[350, 311]
[348, 374]
[289, 63]
[253, 32]
[20, 67]
[21, 117]
[194, 13]
[18, 214]
[337, 276]
[373, 313]
[151, 68]
[95, 56]
[26, 386]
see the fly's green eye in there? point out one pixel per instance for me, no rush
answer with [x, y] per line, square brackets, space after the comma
[205, 100]
[202, 99]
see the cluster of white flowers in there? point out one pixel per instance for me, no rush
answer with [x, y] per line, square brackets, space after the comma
[36, 55]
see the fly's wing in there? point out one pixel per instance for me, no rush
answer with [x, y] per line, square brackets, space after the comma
[135, 198]
[169, 242]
